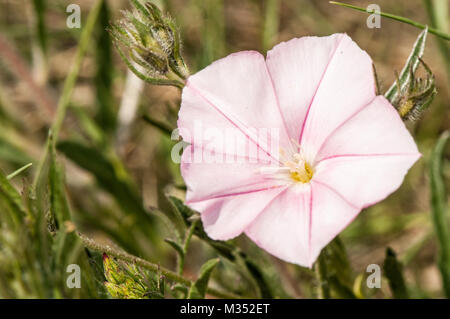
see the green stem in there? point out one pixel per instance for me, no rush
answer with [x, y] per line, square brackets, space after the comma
[170, 275]
[187, 240]
[323, 291]
[434, 31]
[69, 84]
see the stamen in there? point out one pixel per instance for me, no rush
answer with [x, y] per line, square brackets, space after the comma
[294, 168]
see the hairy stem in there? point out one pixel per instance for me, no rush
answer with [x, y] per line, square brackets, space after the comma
[168, 274]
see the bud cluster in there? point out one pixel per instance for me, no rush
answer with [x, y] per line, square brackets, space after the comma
[416, 96]
[150, 45]
[127, 281]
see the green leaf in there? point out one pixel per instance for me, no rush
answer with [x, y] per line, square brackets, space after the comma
[405, 76]
[182, 211]
[12, 199]
[394, 273]
[106, 114]
[175, 246]
[439, 211]
[198, 288]
[58, 202]
[334, 272]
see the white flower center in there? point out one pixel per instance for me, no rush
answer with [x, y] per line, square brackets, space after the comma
[299, 169]
[294, 168]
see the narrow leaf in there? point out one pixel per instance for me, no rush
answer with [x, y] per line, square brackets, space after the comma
[12, 199]
[410, 67]
[175, 246]
[439, 210]
[198, 288]
[394, 273]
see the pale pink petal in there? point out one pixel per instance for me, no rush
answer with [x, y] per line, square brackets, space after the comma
[298, 223]
[374, 129]
[234, 92]
[346, 85]
[206, 181]
[282, 229]
[365, 180]
[296, 68]
[226, 217]
[330, 214]
[367, 157]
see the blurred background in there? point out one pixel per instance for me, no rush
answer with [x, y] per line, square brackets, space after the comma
[117, 165]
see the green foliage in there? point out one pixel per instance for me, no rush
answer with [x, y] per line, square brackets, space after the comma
[411, 95]
[439, 210]
[335, 274]
[37, 246]
[394, 273]
[198, 288]
[106, 113]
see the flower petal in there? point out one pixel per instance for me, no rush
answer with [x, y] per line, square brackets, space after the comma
[282, 229]
[226, 217]
[302, 220]
[367, 158]
[330, 214]
[207, 181]
[345, 86]
[374, 129]
[296, 68]
[234, 92]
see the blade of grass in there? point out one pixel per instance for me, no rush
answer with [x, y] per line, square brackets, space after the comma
[434, 31]
[69, 84]
[17, 172]
[437, 11]
[439, 210]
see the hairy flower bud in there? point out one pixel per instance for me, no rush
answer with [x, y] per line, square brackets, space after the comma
[126, 281]
[151, 41]
[416, 96]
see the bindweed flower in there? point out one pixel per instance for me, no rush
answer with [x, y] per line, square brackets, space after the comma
[340, 148]
[152, 41]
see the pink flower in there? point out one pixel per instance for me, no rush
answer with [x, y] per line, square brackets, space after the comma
[342, 147]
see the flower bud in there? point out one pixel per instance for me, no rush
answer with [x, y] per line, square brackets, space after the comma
[151, 41]
[124, 281]
[416, 96]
